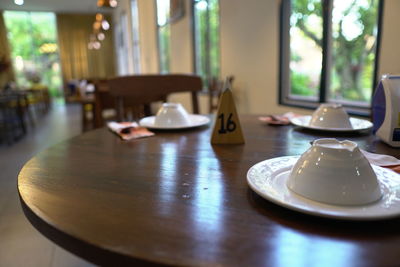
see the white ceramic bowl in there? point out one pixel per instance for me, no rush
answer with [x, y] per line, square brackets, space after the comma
[335, 172]
[330, 116]
[172, 115]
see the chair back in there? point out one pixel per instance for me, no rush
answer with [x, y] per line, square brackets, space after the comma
[145, 89]
[103, 100]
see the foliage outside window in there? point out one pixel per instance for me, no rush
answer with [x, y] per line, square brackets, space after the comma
[33, 41]
[164, 34]
[329, 49]
[206, 39]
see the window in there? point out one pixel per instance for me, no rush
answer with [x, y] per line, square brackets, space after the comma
[329, 52]
[34, 50]
[164, 34]
[206, 39]
[122, 44]
[135, 36]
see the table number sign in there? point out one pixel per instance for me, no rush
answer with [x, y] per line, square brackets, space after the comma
[227, 128]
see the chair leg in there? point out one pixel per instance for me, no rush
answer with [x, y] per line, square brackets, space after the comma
[29, 114]
[20, 117]
[3, 124]
[84, 118]
[120, 108]
[8, 124]
[195, 103]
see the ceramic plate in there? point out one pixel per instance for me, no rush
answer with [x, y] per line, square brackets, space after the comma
[268, 179]
[358, 124]
[196, 121]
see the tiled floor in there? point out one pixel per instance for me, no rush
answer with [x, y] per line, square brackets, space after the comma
[20, 243]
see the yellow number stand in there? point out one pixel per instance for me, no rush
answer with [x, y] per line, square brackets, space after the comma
[227, 128]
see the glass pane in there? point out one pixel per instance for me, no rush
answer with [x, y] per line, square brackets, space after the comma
[305, 48]
[354, 31]
[135, 36]
[33, 41]
[164, 34]
[214, 38]
[164, 48]
[200, 36]
[162, 12]
[206, 35]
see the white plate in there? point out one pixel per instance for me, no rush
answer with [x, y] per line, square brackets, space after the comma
[195, 121]
[358, 124]
[268, 178]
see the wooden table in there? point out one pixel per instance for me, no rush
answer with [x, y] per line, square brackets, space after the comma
[175, 199]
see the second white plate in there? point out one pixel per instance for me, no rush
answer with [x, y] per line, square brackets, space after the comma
[358, 125]
[195, 121]
[268, 179]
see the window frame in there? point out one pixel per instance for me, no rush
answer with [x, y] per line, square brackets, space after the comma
[361, 109]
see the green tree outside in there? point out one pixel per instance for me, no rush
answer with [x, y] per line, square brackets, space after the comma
[207, 40]
[27, 33]
[353, 46]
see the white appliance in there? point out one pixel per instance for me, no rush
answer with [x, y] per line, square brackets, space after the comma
[386, 110]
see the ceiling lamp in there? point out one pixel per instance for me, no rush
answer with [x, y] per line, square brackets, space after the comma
[99, 17]
[96, 25]
[96, 45]
[101, 22]
[19, 2]
[93, 43]
[101, 36]
[107, 3]
[105, 25]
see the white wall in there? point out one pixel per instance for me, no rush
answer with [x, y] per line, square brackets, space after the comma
[148, 36]
[182, 53]
[390, 46]
[249, 49]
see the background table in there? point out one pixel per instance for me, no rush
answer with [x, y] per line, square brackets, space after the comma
[175, 199]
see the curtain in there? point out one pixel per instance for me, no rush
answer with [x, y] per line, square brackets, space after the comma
[6, 70]
[77, 61]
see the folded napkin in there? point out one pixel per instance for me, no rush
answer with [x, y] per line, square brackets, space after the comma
[128, 130]
[385, 161]
[283, 119]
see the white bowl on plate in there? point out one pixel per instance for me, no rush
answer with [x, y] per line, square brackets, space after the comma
[172, 115]
[334, 172]
[330, 116]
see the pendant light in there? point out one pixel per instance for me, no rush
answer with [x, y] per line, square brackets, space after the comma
[107, 3]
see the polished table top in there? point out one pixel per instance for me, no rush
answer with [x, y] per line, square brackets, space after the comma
[176, 199]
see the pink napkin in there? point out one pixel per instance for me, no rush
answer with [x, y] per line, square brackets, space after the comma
[128, 130]
[385, 161]
[283, 119]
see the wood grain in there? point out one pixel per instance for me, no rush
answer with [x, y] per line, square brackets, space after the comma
[175, 199]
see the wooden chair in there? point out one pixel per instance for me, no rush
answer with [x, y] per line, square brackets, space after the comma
[87, 102]
[93, 104]
[144, 89]
[104, 105]
[12, 123]
[103, 100]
